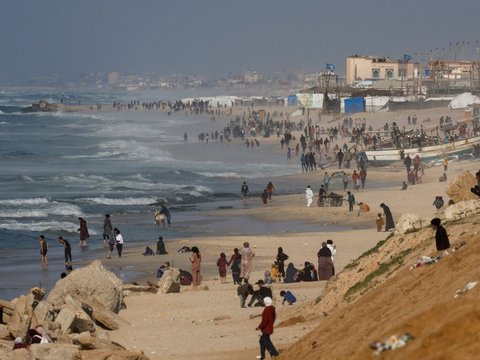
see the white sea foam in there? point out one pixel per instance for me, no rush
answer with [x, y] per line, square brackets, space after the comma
[122, 201]
[17, 202]
[39, 226]
[36, 209]
[219, 174]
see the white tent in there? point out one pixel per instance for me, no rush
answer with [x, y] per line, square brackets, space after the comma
[463, 101]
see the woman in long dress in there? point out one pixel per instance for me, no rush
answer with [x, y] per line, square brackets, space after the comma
[246, 264]
[326, 269]
[389, 224]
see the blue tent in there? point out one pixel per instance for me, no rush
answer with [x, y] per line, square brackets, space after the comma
[354, 105]
[292, 100]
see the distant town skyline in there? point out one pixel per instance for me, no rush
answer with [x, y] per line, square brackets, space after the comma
[215, 38]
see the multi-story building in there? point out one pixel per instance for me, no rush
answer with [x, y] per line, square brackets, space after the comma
[362, 68]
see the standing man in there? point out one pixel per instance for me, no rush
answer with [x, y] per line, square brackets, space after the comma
[43, 250]
[244, 190]
[67, 248]
[351, 201]
[408, 163]
[107, 229]
[339, 157]
[363, 177]
[266, 327]
[326, 181]
[309, 196]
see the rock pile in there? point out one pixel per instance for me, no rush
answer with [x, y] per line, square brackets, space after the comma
[76, 315]
[459, 188]
[410, 222]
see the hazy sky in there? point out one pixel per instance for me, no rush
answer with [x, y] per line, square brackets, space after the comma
[216, 37]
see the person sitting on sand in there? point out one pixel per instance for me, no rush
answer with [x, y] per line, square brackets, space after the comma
[290, 273]
[148, 252]
[363, 208]
[275, 273]
[443, 178]
[260, 294]
[306, 273]
[267, 277]
[404, 186]
[288, 297]
[162, 269]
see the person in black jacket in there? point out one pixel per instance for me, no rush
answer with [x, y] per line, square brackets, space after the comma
[441, 236]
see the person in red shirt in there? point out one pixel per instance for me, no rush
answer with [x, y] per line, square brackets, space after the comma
[266, 327]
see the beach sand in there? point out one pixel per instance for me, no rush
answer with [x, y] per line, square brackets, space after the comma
[179, 326]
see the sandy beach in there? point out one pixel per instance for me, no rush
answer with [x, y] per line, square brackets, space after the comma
[209, 323]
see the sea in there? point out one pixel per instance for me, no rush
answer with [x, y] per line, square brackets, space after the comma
[57, 167]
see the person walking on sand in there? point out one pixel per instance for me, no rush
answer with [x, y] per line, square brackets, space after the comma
[43, 249]
[83, 230]
[389, 223]
[246, 263]
[67, 248]
[235, 261]
[118, 241]
[309, 196]
[441, 237]
[222, 267]
[445, 164]
[379, 222]
[266, 327]
[270, 190]
[196, 260]
[363, 177]
[107, 229]
[244, 191]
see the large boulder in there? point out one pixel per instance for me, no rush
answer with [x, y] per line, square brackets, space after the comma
[459, 188]
[169, 282]
[462, 209]
[92, 281]
[54, 352]
[408, 222]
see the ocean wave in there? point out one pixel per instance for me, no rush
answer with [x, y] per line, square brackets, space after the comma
[17, 153]
[18, 202]
[40, 226]
[220, 174]
[120, 201]
[26, 178]
[41, 209]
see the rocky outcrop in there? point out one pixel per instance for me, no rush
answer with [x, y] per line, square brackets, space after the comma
[92, 281]
[462, 209]
[459, 188]
[408, 222]
[170, 282]
[73, 316]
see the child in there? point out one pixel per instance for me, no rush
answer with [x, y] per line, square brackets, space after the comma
[222, 267]
[268, 278]
[288, 297]
[275, 273]
[379, 221]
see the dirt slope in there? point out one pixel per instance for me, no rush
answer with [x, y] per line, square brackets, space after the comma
[378, 296]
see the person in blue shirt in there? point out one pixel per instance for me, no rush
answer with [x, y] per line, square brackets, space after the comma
[288, 297]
